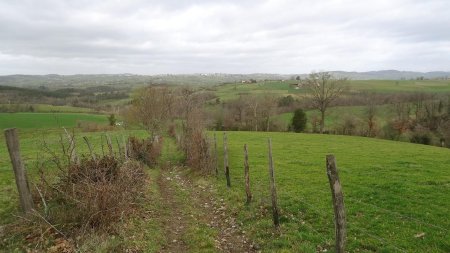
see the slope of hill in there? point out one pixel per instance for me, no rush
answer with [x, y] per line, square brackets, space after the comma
[127, 80]
[397, 195]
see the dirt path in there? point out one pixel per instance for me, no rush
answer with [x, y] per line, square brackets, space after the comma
[192, 218]
[173, 219]
[189, 204]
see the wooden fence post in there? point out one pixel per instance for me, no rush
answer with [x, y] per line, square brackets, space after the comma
[225, 159]
[119, 148]
[247, 176]
[273, 190]
[12, 141]
[72, 148]
[90, 148]
[216, 156]
[125, 148]
[108, 141]
[103, 149]
[338, 203]
[130, 148]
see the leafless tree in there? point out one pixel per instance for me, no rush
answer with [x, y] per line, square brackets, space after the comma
[323, 89]
[268, 110]
[370, 113]
[152, 107]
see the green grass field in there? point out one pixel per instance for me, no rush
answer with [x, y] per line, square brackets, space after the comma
[62, 108]
[232, 91]
[393, 192]
[47, 120]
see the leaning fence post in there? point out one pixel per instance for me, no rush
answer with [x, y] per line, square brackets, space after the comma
[225, 159]
[119, 147]
[338, 203]
[247, 175]
[216, 156]
[72, 147]
[12, 141]
[273, 190]
[90, 148]
[125, 151]
[130, 148]
[108, 141]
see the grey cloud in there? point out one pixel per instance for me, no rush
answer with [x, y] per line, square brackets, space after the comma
[284, 36]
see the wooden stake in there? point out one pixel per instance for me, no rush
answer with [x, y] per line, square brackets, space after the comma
[103, 149]
[72, 148]
[130, 148]
[12, 141]
[125, 151]
[119, 147]
[108, 141]
[225, 159]
[273, 190]
[338, 203]
[90, 148]
[216, 156]
[247, 176]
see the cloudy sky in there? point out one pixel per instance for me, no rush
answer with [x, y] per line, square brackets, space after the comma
[237, 36]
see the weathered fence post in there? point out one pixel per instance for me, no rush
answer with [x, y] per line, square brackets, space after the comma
[12, 141]
[247, 175]
[119, 147]
[108, 141]
[90, 148]
[225, 159]
[103, 149]
[72, 148]
[216, 156]
[130, 148]
[273, 190]
[125, 148]
[338, 203]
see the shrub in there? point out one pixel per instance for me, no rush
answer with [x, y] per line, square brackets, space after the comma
[146, 150]
[421, 135]
[98, 193]
[298, 123]
[112, 119]
[195, 145]
[84, 199]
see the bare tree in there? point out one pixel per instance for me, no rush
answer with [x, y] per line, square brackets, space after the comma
[323, 89]
[370, 113]
[152, 107]
[268, 110]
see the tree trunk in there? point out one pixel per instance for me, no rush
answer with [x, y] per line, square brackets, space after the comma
[322, 121]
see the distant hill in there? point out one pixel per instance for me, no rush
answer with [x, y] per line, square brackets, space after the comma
[392, 75]
[127, 80]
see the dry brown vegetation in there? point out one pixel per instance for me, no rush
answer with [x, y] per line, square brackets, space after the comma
[145, 150]
[82, 197]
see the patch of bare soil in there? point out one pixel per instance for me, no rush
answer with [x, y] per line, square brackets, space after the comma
[173, 219]
[231, 238]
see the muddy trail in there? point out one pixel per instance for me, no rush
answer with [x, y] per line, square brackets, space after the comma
[192, 217]
[187, 206]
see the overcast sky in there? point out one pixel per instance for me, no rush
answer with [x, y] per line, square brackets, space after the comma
[238, 36]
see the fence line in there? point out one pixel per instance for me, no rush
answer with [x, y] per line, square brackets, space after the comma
[398, 214]
[383, 241]
[418, 221]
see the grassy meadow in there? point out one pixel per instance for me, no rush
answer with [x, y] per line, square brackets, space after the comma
[25, 120]
[393, 192]
[232, 91]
